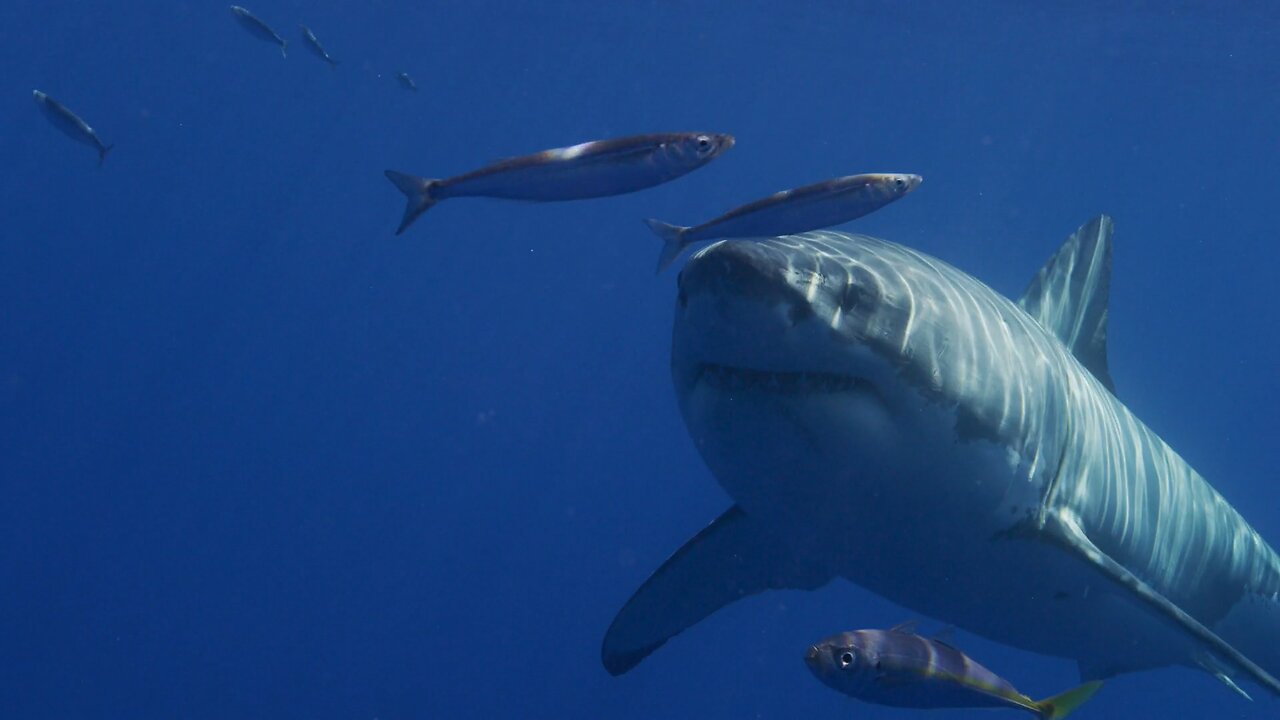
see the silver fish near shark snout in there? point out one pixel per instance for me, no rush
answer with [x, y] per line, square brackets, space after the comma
[811, 207]
[878, 415]
[898, 668]
[589, 170]
[259, 29]
[70, 124]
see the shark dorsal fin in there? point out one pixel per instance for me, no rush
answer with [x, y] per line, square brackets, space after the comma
[1069, 295]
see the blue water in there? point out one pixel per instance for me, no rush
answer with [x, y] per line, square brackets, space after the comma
[260, 458]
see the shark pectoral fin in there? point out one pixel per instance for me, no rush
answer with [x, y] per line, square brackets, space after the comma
[1064, 526]
[730, 559]
[1069, 295]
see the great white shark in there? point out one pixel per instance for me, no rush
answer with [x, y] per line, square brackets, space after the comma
[878, 415]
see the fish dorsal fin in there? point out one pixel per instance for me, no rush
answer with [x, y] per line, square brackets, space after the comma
[1069, 295]
[946, 635]
[906, 627]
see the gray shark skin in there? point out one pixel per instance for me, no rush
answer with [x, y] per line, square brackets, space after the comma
[878, 415]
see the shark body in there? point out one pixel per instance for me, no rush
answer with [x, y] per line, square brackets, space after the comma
[878, 415]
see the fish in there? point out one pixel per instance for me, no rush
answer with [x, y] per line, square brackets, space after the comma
[406, 82]
[880, 416]
[70, 124]
[588, 170]
[899, 668]
[259, 29]
[313, 44]
[811, 207]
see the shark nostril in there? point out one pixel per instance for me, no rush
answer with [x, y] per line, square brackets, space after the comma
[851, 298]
[861, 292]
[798, 313]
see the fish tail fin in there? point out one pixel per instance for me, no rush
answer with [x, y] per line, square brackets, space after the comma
[1061, 705]
[284, 49]
[418, 193]
[672, 241]
[102, 154]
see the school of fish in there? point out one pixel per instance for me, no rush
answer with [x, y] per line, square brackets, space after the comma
[592, 169]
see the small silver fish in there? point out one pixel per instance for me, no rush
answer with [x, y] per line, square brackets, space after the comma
[70, 124]
[259, 29]
[899, 668]
[811, 207]
[406, 82]
[589, 170]
[313, 44]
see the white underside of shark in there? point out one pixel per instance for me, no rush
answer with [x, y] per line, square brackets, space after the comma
[878, 415]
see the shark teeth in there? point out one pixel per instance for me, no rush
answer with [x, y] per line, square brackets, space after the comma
[723, 377]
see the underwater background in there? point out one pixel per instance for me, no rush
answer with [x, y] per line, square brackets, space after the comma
[261, 458]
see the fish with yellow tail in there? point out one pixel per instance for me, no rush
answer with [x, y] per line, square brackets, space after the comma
[899, 668]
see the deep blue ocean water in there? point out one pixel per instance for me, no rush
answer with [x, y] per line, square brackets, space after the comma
[260, 458]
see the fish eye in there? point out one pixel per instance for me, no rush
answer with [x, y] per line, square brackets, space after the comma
[704, 143]
[899, 183]
[846, 659]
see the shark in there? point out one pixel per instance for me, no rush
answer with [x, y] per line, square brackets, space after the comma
[878, 415]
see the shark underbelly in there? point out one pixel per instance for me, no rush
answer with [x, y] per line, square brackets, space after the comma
[882, 492]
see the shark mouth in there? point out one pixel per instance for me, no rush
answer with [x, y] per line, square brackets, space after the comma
[724, 377]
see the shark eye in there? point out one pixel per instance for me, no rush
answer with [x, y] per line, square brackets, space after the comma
[846, 659]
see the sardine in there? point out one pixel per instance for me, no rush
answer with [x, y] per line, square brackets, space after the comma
[812, 207]
[70, 124]
[899, 668]
[313, 44]
[259, 29]
[589, 170]
[406, 82]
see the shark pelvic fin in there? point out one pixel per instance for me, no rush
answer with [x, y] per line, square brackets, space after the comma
[1211, 665]
[730, 559]
[1069, 295]
[1063, 526]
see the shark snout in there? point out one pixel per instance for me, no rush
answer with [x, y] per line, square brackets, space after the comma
[742, 272]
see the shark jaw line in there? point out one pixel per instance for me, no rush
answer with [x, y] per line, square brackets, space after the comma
[732, 378]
